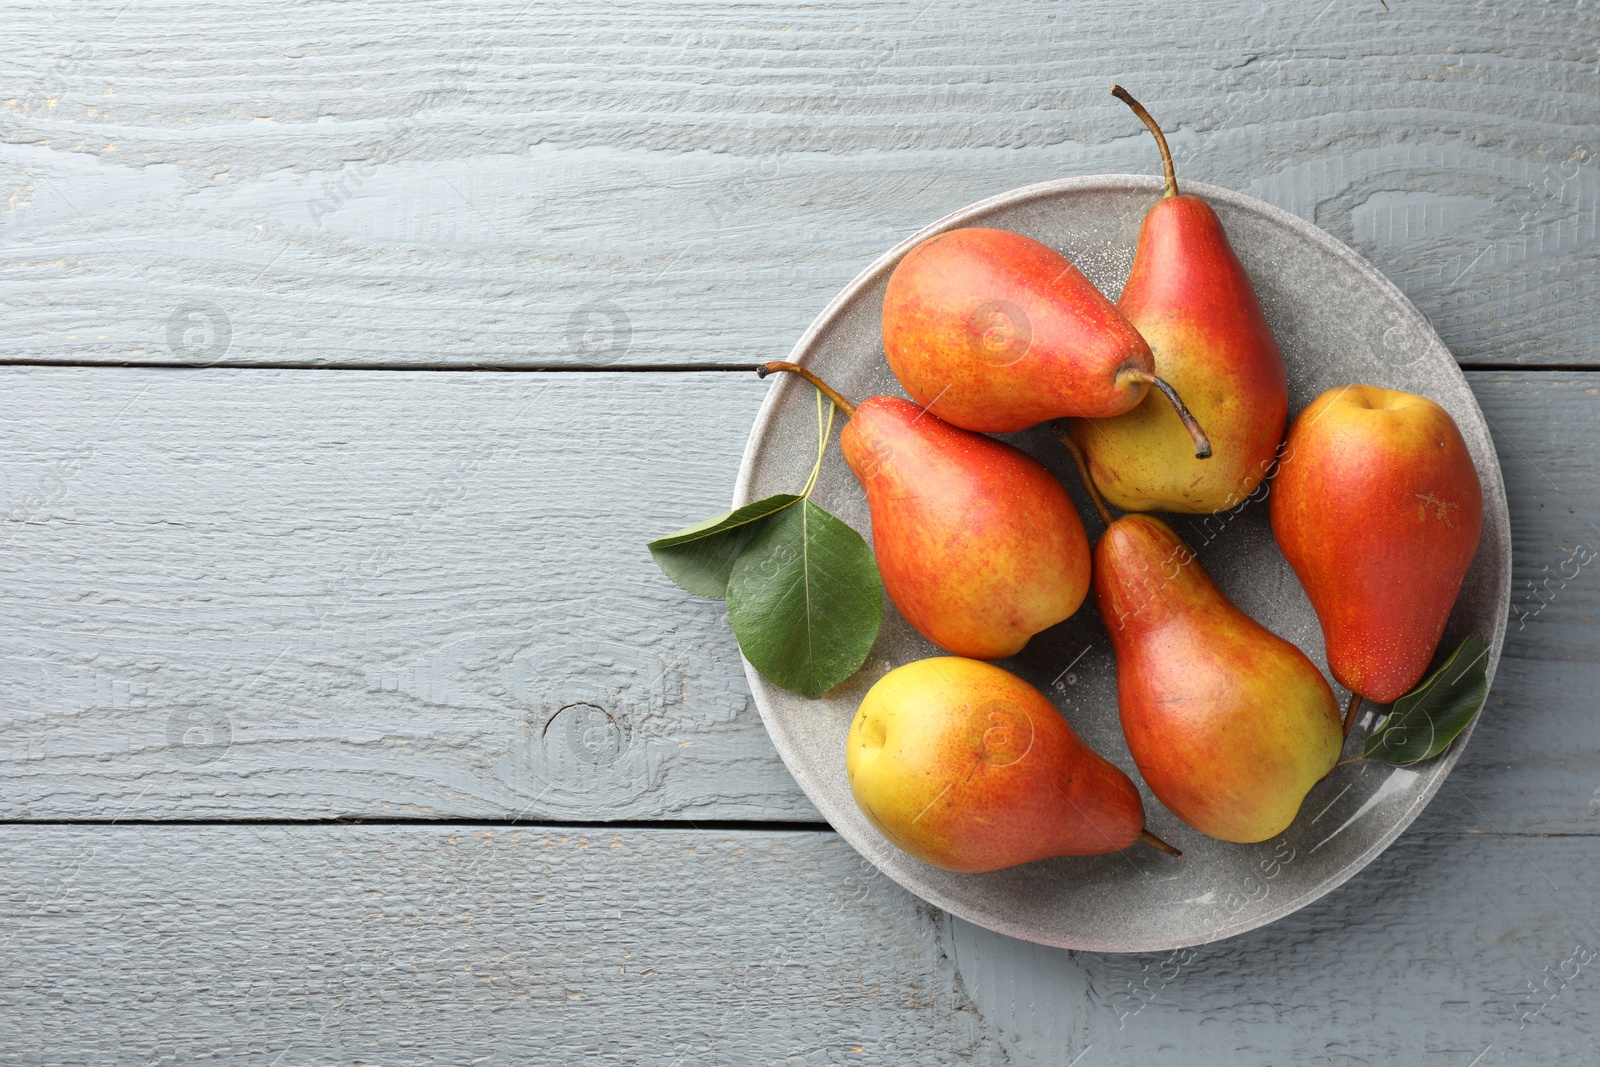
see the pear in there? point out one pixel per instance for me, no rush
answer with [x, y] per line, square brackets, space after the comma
[1190, 298]
[1378, 508]
[994, 332]
[979, 546]
[1229, 724]
[969, 768]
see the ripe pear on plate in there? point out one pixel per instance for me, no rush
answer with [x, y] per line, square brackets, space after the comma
[1191, 299]
[1229, 724]
[1378, 508]
[979, 546]
[969, 768]
[994, 332]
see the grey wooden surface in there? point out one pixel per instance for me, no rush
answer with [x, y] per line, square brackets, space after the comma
[386, 595]
[260, 592]
[518, 182]
[459, 944]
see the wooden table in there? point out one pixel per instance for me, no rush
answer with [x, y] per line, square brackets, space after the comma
[345, 718]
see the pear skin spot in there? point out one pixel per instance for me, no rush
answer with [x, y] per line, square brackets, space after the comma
[1443, 509]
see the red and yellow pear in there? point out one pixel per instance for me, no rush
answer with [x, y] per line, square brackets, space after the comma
[1229, 724]
[1191, 299]
[993, 332]
[1378, 508]
[979, 546]
[967, 767]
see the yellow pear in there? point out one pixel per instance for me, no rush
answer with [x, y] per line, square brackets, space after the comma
[968, 767]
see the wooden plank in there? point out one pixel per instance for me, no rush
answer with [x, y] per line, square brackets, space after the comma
[396, 945]
[262, 594]
[376, 594]
[1449, 949]
[514, 183]
[408, 945]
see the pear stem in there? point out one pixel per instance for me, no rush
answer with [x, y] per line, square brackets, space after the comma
[1068, 442]
[1202, 443]
[1161, 139]
[1156, 843]
[764, 369]
[1350, 712]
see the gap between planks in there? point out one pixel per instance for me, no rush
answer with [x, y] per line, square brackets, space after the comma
[719, 826]
[436, 368]
[573, 368]
[703, 825]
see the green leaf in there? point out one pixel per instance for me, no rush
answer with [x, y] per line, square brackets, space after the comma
[1424, 721]
[699, 557]
[805, 600]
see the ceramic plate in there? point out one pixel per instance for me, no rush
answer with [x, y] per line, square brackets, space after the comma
[1337, 320]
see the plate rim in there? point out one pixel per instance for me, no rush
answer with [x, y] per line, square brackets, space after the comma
[1493, 490]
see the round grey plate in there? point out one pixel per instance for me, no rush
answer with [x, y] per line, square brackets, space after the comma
[1338, 321]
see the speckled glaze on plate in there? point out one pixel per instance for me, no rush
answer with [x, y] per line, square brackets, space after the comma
[1337, 320]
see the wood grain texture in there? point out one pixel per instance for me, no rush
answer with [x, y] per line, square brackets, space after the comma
[265, 594]
[1451, 950]
[339, 945]
[240, 596]
[397, 945]
[528, 183]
